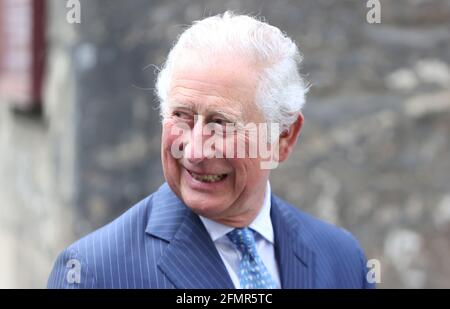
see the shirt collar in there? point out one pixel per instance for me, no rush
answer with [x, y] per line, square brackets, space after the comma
[261, 224]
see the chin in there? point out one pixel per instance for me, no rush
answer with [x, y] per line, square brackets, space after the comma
[205, 208]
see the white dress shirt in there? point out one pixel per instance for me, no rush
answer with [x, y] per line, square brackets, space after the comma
[264, 238]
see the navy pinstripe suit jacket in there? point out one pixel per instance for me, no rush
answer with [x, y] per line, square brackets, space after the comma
[160, 243]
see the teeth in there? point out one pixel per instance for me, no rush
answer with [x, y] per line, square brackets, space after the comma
[208, 178]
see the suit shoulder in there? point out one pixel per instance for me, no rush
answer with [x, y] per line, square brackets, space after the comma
[100, 248]
[338, 253]
[322, 235]
[316, 229]
[130, 222]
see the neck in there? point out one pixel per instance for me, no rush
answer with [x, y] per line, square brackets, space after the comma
[243, 216]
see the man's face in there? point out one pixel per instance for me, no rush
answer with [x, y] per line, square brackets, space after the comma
[226, 189]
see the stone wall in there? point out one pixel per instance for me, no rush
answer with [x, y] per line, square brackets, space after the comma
[373, 155]
[38, 171]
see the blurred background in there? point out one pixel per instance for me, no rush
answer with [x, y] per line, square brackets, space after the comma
[80, 131]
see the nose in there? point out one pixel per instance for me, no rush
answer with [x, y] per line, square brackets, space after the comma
[194, 150]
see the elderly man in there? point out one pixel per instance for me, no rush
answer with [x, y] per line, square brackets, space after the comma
[215, 223]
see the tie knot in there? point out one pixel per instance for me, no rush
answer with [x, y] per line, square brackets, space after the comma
[244, 240]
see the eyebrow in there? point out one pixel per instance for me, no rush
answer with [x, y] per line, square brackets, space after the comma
[228, 116]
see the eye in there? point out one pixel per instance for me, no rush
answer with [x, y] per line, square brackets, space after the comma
[223, 127]
[219, 121]
[222, 122]
[181, 115]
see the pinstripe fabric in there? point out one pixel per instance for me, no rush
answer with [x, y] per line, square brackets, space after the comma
[160, 243]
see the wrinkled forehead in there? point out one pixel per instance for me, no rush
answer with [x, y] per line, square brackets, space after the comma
[219, 81]
[227, 69]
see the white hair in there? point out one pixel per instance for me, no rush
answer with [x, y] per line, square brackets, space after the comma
[281, 91]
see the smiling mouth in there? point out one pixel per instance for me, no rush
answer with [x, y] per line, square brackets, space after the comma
[208, 178]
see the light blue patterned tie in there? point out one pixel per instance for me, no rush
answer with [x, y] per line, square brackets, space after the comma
[253, 273]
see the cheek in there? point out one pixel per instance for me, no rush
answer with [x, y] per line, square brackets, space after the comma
[168, 160]
[244, 169]
[232, 146]
[251, 167]
[169, 163]
[168, 138]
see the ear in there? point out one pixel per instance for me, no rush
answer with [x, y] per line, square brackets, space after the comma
[288, 138]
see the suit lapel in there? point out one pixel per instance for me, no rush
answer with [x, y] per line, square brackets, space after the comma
[190, 260]
[294, 258]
